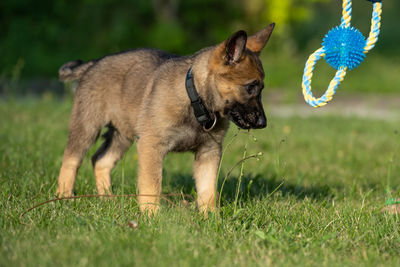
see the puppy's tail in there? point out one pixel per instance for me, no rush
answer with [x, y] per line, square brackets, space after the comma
[73, 70]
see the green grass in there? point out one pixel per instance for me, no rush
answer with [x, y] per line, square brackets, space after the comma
[326, 213]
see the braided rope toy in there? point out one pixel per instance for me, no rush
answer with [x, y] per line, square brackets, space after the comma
[344, 48]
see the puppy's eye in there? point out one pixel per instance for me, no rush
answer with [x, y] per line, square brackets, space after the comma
[251, 87]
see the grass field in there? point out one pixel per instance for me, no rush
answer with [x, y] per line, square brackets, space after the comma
[314, 198]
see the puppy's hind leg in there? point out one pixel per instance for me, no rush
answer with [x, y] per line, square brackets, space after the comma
[83, 133]
[106, 157]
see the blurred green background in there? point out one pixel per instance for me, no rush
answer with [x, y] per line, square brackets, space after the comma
[37, 37]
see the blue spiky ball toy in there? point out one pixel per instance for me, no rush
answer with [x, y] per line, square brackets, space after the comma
[344, 47]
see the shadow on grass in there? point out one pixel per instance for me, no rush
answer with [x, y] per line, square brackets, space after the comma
[254, 187]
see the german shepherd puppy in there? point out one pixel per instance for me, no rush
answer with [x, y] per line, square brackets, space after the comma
[167, 103]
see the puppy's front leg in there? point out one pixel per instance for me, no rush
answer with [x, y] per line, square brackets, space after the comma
[206, 165]
[151, 155]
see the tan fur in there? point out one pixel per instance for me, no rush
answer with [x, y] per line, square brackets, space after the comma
[205, 172]
[66, 179]
[140, 94]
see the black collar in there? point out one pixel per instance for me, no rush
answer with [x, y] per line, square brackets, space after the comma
[201, 113]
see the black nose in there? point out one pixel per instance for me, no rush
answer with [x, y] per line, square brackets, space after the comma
[261, 122]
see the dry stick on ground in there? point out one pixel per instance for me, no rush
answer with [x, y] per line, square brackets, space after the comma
[163, 196]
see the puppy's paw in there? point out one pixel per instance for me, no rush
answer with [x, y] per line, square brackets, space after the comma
[104, 192]
[207, 204]
[60, 193]
[149, 209]
[149, 204]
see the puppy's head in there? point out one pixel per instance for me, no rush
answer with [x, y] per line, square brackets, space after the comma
[238, 77]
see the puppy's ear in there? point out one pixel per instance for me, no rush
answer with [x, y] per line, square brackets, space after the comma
[235, 46]
[257, 41]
